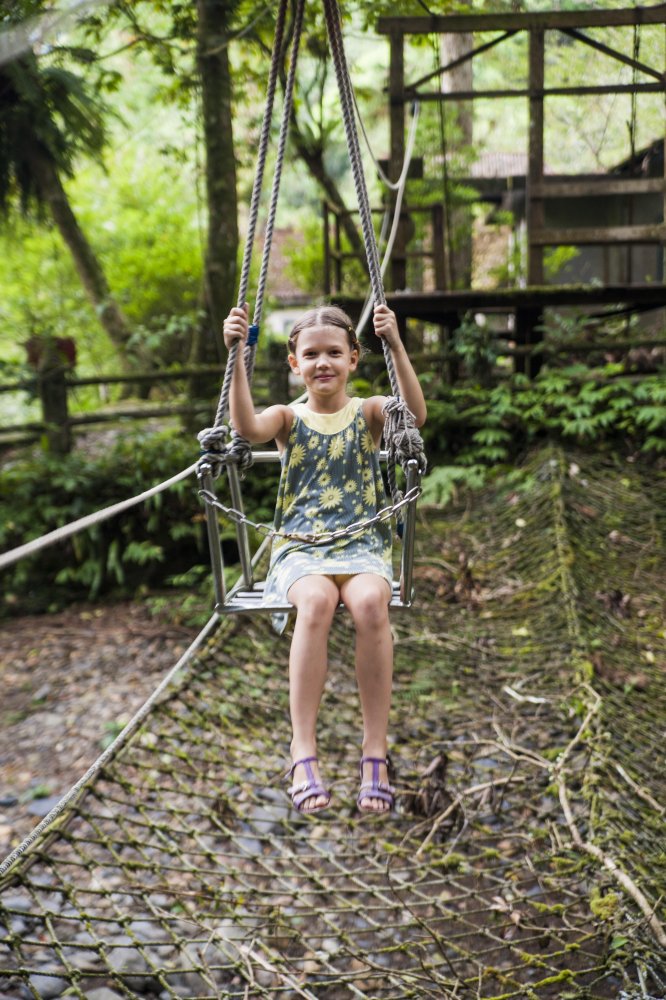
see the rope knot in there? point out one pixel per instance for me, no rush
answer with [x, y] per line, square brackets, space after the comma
[217, 449]
[401, 434]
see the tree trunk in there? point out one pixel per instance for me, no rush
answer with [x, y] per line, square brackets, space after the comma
[90, 271]
[458, 125]
[213, 32]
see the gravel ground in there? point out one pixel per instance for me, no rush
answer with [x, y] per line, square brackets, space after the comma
[68, 681]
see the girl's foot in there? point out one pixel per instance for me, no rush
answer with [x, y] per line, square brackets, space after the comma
[308, 795]
[375, 794]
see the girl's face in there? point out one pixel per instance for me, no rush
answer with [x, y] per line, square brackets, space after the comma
[324, 359]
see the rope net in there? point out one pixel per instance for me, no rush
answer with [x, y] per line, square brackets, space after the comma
[526, 858]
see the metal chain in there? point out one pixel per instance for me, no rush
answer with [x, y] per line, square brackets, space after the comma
[323, 538]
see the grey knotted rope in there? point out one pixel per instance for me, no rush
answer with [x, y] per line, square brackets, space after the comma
[400, 432]
[214, 441]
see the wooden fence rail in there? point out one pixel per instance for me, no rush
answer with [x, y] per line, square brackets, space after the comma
[53, 385]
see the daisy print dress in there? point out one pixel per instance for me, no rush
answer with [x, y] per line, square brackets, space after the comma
[330, 479]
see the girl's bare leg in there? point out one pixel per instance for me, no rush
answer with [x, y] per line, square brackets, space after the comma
[315, 599]
[367, 597]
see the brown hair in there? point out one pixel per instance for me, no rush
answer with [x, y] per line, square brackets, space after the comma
[325, 316]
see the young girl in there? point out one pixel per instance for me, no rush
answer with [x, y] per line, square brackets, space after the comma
[330, 478]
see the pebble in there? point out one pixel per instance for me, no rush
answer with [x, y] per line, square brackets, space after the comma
[148, 930]
[42, 807]
[103, 993]
[191, 984]
[48, 987]
[21, 904]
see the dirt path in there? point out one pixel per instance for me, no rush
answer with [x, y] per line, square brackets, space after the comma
[68, 681]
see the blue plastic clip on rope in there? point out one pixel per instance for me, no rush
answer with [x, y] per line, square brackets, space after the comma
[253, 334]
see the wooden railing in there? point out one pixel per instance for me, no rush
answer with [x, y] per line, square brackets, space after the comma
[53, 387]
[54, 384]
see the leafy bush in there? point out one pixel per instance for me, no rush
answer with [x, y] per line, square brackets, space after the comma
[149, 545]
[473, 426]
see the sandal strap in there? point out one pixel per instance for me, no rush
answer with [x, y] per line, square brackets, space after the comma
[374, 788]
[311, 788]
[305, 761]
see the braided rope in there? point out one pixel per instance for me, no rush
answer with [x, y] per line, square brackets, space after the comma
[264, 138]
[219, 443]
[214, 441]
[251, 347]
[279, 160]
[89, 520]
[401, 418]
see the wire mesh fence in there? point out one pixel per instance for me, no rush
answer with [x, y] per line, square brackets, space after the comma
[527, 854]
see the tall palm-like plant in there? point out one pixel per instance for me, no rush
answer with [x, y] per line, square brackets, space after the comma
[48, 119]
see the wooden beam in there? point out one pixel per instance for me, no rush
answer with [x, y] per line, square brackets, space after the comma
[580, 91]
[613, 53]
[535, 208]
[397, 151]
[591, 187]
[432, 306]
[460, 60]
[521, 21]
[599, 235]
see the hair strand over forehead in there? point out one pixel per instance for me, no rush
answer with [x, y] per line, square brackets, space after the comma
[324, 316]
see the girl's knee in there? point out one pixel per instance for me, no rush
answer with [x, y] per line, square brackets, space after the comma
[315, 605]
[370, 608]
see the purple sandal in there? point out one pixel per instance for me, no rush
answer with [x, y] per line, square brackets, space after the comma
[376, 789]
[308, 789]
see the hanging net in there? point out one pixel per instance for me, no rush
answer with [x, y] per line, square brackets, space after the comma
[527, 856]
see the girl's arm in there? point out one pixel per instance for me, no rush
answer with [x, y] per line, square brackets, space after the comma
[257, 428]
[386, 326]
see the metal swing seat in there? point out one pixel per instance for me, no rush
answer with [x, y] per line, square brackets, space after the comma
[247, 594]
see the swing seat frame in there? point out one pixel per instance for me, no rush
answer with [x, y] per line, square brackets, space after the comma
[247, 594]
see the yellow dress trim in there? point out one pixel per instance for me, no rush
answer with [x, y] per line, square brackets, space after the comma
[328, 423]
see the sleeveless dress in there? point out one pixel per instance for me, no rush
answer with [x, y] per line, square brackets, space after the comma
[330, 479]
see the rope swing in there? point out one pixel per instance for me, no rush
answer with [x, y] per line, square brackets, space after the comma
[221, 446]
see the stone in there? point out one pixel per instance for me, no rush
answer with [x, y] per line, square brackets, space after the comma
[42, 807]
[103, 993]
[20, 903]
[48, 987]
[148, 930]
[124, 957]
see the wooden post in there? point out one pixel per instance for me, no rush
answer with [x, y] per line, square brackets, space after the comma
[527, 334]
[53, 396]
[397, 152]
[535, 210]
[438, 254]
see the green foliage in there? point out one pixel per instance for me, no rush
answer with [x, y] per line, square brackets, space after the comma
[48, 115]
[556, 258]
[145, 219]
[159, 543]
[477, 346]
[121, 554]
[305, 257]
[473, 427]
